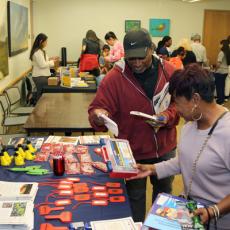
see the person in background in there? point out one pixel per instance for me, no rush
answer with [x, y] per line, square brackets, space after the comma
[199, 50]
[205, 165]
[90, 54]
[117, 50]
[222, 67]
[228, 39]
[163, 47]
[190, 57]
[177, 60]
[41, 63]
[132, 85]
[104, 65]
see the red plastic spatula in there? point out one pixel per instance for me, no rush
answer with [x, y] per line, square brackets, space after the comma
[46, 209]
[64, 217]
[47, 226]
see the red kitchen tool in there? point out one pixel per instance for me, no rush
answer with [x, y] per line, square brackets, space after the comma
[47, 226]
[62, 202]
[115, 191]
[64, 217]
[46, 209]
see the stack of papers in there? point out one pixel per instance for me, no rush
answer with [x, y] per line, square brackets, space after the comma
[114, 224]
[17, 204]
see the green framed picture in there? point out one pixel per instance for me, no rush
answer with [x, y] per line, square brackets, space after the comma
[132, 25]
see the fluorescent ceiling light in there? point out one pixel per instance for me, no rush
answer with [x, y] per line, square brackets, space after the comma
[191, 1]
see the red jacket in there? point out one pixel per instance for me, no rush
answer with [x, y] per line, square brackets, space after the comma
[119, 93]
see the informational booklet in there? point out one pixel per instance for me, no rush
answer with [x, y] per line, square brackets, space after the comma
[119, 158]
[16, 214]
[110, 124]
[18, 190]
[62, 139]
[169, 212]
[114, 224]
[35, 141]
[162, 100]
[92, 139]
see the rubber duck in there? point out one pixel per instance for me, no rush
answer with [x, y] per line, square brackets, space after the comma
[30, 146]
[18, 159]
[5, 159]
[29, 156]
[21, 151]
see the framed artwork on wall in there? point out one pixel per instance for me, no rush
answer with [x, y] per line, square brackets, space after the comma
[4, 65]
[132, 25]
[17, 28]
[159, 27]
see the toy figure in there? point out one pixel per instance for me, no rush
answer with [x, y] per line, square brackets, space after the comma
[30, 146]
[18, 160]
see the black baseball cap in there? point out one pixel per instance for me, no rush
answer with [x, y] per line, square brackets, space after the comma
[136, 43]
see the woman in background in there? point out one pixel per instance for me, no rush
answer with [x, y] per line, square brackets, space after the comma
[177, 60]
[117, 50]
[90, 54]
[223, 62]
[190, 57]
[163, 47]
[41, 63]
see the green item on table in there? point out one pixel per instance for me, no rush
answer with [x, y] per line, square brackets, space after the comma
[25, 169]
[38, 172]
[192, 206]
[31, 170]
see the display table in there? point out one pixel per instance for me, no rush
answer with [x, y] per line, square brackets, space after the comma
[92, 88]
[84, 212]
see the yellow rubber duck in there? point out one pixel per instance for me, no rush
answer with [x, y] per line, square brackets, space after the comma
[29, 156]
[18, 159]
[31, 148]
[21, 151]
[7, 156]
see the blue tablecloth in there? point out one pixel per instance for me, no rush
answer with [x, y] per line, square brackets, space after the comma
[84, 212]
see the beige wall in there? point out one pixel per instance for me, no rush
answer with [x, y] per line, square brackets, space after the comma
[66, 21]
[20, 63]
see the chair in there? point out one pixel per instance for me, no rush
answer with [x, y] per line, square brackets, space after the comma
[14, 98]
[28, 92]
[8, 120]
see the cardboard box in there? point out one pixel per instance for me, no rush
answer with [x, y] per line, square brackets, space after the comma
[52, 81]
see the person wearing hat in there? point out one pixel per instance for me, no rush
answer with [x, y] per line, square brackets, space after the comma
[132, 85]
[199, 50]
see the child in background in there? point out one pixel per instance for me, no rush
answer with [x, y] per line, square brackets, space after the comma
[105, 66]
[177, 59]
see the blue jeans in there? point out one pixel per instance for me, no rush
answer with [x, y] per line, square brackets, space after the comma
[99, 79]
[136, 189]
[220, 86]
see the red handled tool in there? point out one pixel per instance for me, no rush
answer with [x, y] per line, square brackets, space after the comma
[46, 209]
[64, 217]
[47, 226]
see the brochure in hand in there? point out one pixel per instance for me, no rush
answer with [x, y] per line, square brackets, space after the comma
[171, 213]
[153, 118]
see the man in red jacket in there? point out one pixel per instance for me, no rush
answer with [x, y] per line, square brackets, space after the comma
[133, 84]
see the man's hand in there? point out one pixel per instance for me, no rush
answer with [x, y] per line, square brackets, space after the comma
[144, 170]
[96, 116]
[162, 120]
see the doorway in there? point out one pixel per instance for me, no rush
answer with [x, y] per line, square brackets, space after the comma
[216, 28]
